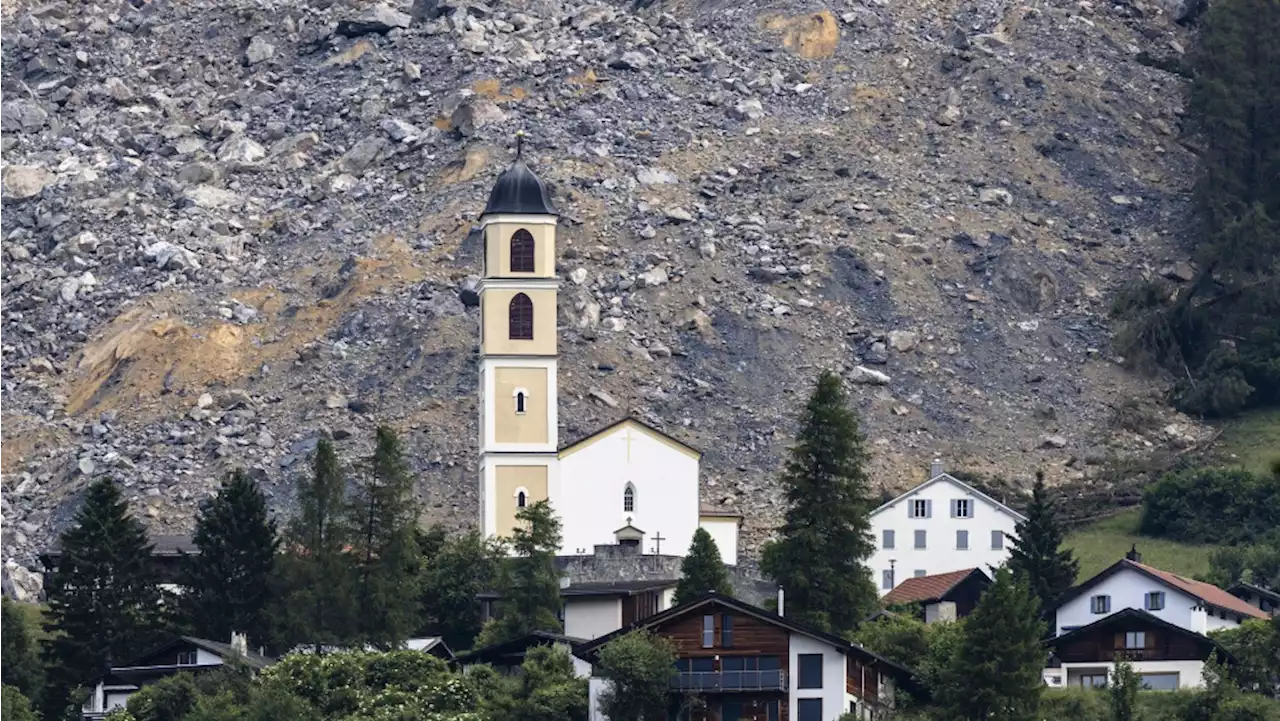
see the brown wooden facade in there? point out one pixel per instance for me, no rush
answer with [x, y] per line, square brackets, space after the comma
[640, 606]
[1156, 645]
[861, 680]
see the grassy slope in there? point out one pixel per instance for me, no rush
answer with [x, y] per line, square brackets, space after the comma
[1104, 542]
[1252, 440]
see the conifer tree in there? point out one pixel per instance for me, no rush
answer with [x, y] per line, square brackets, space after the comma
[103, 594]
[996, 672]
[383, 519]
[228, 586]
[529, 583]
[702, 570]
[1037, 554]
[317, 567]
[454, 576]
[820, 557]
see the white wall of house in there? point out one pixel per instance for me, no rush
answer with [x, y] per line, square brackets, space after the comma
[668, 598]
[204, 658]
[941, 553]
[1128, 589]
[592, 481]
[1189, 672]
[589, 618]
[724, 531]
[594, 688]
[832, 692]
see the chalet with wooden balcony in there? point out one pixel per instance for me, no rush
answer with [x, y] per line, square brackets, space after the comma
[1164, 655]
[739, 662]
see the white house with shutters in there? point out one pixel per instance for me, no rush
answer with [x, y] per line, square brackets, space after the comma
[941, 525]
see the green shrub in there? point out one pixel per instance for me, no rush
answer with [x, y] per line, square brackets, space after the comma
[1207, 505]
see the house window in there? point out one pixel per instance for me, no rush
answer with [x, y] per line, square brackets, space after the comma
[708, 631]
[1094, 680]
[186, 658]
[920, 573]
[887, 539]
[726, 631]
[1135, 639]
[920, 539]
[1100, 604]
[886, 580]
[810, 670]
[629, 499]
[997, 540]
[771, 710]
[809, 709]
[960, 508]
[920, 509]
[1155, 600]
[522, 252]
[962, 540]
[520, 396]
[1159, 681]
[520, 318]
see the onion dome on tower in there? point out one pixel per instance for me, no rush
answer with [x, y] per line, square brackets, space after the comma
[519, 191]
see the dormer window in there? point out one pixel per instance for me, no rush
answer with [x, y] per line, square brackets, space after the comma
[629, 499]
[522, 252]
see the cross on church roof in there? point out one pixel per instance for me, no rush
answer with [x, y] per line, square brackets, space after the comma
[519, 143]
[657, 543]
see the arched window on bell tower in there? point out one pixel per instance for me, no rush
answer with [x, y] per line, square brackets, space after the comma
[629, 499]
[522, 498]
[522, 252]
[522, 398]
[520, 317]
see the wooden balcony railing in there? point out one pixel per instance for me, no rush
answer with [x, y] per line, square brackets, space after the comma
[722, 681]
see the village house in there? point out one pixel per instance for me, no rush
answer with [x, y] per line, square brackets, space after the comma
[940, 526]
[1264, 599]
[739, 662]
[943, 597]
[507, 657]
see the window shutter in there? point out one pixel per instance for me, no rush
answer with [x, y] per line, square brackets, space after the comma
[953, 508]
[928, 509]
[911, 509]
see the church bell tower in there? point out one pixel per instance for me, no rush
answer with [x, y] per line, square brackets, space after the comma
[518, 363]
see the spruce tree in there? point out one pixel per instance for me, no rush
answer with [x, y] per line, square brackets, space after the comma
[228, 586]
[529, 582]
[383, 519]
[103, 594]
[996, 672]
[1037, 554]
[702, 570]
[317, 568]
[820, 557]
[453, 577]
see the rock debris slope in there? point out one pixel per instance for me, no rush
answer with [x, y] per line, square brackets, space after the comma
[230, 227]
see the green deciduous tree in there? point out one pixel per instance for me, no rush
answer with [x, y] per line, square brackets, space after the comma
[547, 689]
[1255, 644]
[638, 666]
[229, 585]
[1122, 691]
[1211, 505]
[897, 637]
[14, 706]
[383, 521]
[452, 578]
[318, 570]
[528, 583]
[1037, 553]
[820, 556]
[1258, 564]
[103, 594]
[702, 570]
[996, 671]
[20, 649]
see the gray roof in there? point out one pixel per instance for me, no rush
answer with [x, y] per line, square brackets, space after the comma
[617, 588]
[519, 191]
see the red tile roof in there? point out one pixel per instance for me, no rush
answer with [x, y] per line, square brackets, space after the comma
[1206, 592]
[926, 588]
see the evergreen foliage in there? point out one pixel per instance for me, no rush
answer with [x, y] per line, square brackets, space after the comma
[103, 595]
[820, 557]
[1255, 645]
[14, 706]
[318, 608]
[529, 583]
[383, 521]
[20, 649]
[1217, 333]
[639, 667]
[462, 568]
[230, 583]
[1037, 554]
[1209, 505]
[996, 671]
[1258, 564]
[701, 570]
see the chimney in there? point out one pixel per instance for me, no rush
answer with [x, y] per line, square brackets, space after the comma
[1133, 554]
[935, 468]
[240, 643]
[780, 601]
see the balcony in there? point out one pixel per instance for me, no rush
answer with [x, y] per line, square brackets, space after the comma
[729, 681]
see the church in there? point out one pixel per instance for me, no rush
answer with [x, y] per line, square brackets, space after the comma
[627, 484]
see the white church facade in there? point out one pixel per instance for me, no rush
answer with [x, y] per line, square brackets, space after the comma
[627, 483]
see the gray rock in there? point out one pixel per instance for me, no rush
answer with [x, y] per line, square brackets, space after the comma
[26, 181]
[400, 131]
[362, 155]
[678, 215]
[170, 256]
[1053, 441]
[240, 148]
[653, 278]
[1180, 271]
[747, 110]
[656, 176]
[259, 50]
[903, 340]
[380, 19]
[604, 398]
[118, 91]
[995, 196]
[23, 116]
[630, 60]
[475, 114]
[866, 376]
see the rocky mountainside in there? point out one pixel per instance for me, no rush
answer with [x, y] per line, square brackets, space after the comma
[230, 227]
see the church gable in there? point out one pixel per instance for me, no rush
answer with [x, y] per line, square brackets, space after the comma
[633, 435]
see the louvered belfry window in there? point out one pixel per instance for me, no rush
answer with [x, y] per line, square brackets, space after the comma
[520, 315]
[522, 252]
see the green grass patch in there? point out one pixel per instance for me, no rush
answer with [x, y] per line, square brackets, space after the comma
[1104, 542]
[1252, 441]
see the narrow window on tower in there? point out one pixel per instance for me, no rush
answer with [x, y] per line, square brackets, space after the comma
[521, 499]
[522, 252]
[629, 499]
[520, 315]
[521, 396]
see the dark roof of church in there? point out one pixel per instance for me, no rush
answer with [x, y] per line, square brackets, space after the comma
[520, 191]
